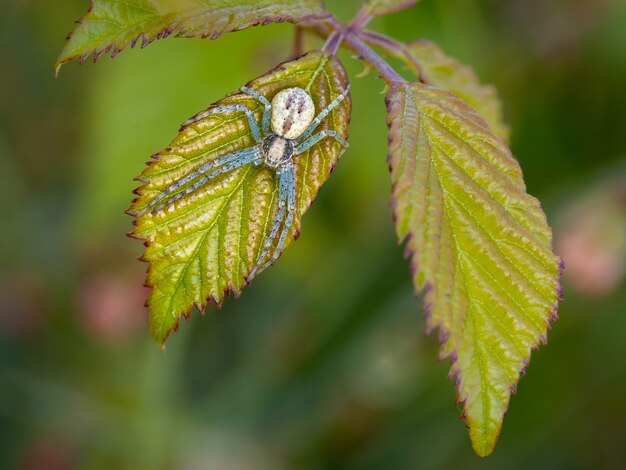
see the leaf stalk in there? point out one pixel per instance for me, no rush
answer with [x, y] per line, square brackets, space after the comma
[353, 37]
[367, 54]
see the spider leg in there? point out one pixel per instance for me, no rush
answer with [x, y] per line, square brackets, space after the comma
[265, 125]
[254, 127]
[283, 199]
[315, 138]
[193, 175]
[243, 158]
[288, 176]
[323, 113]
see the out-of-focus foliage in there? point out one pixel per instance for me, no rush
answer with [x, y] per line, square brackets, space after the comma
[591, 236]
[322, 363]
[114, 25]
[206, 246]
[480, 247]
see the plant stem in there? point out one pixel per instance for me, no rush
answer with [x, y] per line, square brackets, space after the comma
[334, 41]
[338, 34]
[298, 41]
[361, 19]
[367, 54]
[395, 48]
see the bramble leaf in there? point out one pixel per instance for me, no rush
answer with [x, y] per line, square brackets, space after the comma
[479, 245]
[384, 7]
[205, 245]
[114, 25]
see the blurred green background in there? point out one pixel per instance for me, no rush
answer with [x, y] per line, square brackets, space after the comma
[322, 363]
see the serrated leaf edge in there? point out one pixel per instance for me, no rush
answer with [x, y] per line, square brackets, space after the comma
[186, 314]
[454, 375]
[177, 29]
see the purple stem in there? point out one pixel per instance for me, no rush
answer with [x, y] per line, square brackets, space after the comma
[350, 36]
[298, 41]
[367, 54]
[395, 48]
[361, 19]
[333, 42]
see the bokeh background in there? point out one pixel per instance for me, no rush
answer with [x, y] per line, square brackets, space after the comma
[322, 363]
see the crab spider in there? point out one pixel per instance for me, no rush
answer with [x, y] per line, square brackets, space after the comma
[286, 131]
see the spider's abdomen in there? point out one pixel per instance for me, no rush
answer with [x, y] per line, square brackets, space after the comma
[276, 150]
[292, 112]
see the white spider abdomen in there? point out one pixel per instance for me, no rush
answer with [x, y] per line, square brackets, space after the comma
[292, 112]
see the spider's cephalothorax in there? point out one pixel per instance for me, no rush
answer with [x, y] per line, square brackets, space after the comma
[277, 151]
[286, 131]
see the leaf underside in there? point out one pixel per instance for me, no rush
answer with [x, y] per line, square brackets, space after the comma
[479, 245]
[114, 25]
[205, 245]
[384, 7]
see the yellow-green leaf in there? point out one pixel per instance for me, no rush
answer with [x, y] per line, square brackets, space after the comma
[384, 7]
[480, 247]
[205, 245]
[114, 25]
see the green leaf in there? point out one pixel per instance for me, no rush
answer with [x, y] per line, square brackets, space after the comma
[479, 245]
[114, 25]
[204, 246]
[384, 7]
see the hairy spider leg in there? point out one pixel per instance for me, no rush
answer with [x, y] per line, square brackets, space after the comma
[254, 127]
[246, 156]
[283, 199]
[323, 113]
[288, 176]
[265, 125]
[270, 240]
[315, 138]
[193, 175]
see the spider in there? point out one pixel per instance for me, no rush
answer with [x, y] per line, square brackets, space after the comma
[286, 131]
